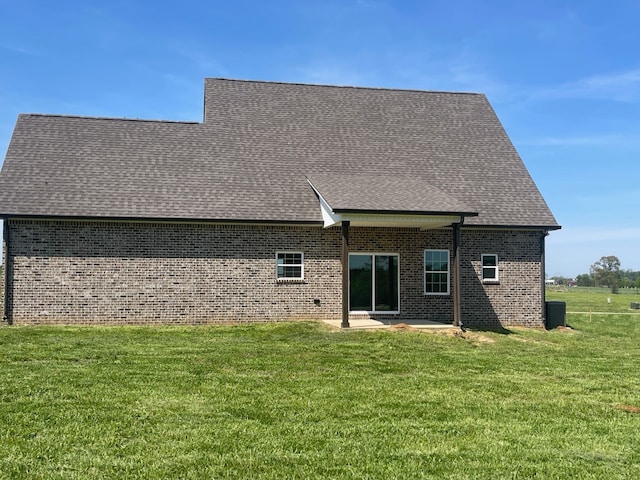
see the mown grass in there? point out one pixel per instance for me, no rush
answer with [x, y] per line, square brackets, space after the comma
[595, 300]
[297, 400]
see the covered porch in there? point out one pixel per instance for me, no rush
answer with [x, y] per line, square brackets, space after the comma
[387, 202]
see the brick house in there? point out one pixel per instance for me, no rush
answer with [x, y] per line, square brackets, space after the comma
[287, 202]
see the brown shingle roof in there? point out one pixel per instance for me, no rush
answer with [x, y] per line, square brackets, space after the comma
[260, 140]
[385, 193]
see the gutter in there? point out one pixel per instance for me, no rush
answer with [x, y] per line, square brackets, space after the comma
[403, 212]
[197, 221]
[457, 284]
[546, 228]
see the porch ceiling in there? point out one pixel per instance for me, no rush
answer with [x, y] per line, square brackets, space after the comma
[391, 219]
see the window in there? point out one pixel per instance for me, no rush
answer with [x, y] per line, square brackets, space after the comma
[373, 283]
[436, 272]
[489, 267]
[289, 266]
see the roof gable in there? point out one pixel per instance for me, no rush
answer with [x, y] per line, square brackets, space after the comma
[250, 159]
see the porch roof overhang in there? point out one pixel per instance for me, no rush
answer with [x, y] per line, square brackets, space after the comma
[395, 202]
[364, 218]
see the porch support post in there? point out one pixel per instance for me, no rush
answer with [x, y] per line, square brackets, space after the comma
[345, 274]
[457, 313]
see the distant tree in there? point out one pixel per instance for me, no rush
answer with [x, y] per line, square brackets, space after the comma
[560, 280]
[606, 271]
[584, 280]
[629, 277]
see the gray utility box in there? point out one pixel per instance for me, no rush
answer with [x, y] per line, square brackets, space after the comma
[635, 306]
[556, 314]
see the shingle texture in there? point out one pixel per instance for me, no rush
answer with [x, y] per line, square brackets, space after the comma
[385, 193]
[250, 158]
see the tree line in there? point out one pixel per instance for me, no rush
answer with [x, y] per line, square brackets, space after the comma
[606, 272]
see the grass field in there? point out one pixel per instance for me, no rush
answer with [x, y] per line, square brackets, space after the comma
[595, 300]
[301, 401]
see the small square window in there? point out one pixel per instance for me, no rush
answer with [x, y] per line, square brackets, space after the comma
[489, 267]
[289, 266]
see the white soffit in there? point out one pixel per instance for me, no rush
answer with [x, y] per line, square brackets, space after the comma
[425, 222]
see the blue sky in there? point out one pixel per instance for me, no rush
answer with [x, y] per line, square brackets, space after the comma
[563, 76]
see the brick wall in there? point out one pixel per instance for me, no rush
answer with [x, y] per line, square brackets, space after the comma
[115, 273]
[104, 272]
[517, 298]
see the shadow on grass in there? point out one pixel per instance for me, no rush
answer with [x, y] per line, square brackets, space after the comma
[492, 329]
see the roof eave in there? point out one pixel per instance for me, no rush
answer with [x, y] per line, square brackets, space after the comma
[390, 219]
[142, 219]
[548, 228]
[350, 211]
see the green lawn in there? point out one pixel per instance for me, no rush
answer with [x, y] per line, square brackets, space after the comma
[300, 401]
[595, 300]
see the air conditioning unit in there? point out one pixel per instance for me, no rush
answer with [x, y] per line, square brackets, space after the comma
[556, 314]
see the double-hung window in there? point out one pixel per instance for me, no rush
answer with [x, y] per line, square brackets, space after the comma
[489, 267]
[436, 272]
[289, 266]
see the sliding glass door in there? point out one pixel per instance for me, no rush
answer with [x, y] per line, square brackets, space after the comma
[373, 282]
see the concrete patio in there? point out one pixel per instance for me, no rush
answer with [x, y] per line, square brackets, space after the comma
[368, 323]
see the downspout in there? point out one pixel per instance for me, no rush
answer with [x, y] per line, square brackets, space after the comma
[345, 273]
[457, 310]
[6, 307]
[543, 275]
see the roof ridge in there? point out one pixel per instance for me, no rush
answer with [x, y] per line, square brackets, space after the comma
[355, 87]
[94, 117]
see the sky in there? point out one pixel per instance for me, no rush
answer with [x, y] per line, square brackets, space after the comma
[562, 76]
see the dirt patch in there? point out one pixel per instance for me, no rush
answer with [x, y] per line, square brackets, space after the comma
[454, 332]
[564, 329]
[403, 326]
[448, 332]
[476, 337]
[530, 340]
[628, 408]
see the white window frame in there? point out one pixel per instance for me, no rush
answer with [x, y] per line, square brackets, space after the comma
[301, 265]
[425, 271]
[373, 280]
[494, 279]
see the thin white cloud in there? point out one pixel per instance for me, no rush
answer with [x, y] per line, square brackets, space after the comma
[421, 70]
[571, 251]
[577, 236]
[467, 71]
[331, 73]
[564, 25]
[19, 49]
[613, 86]
[437, 70]
[202, 60]
[614, 140]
